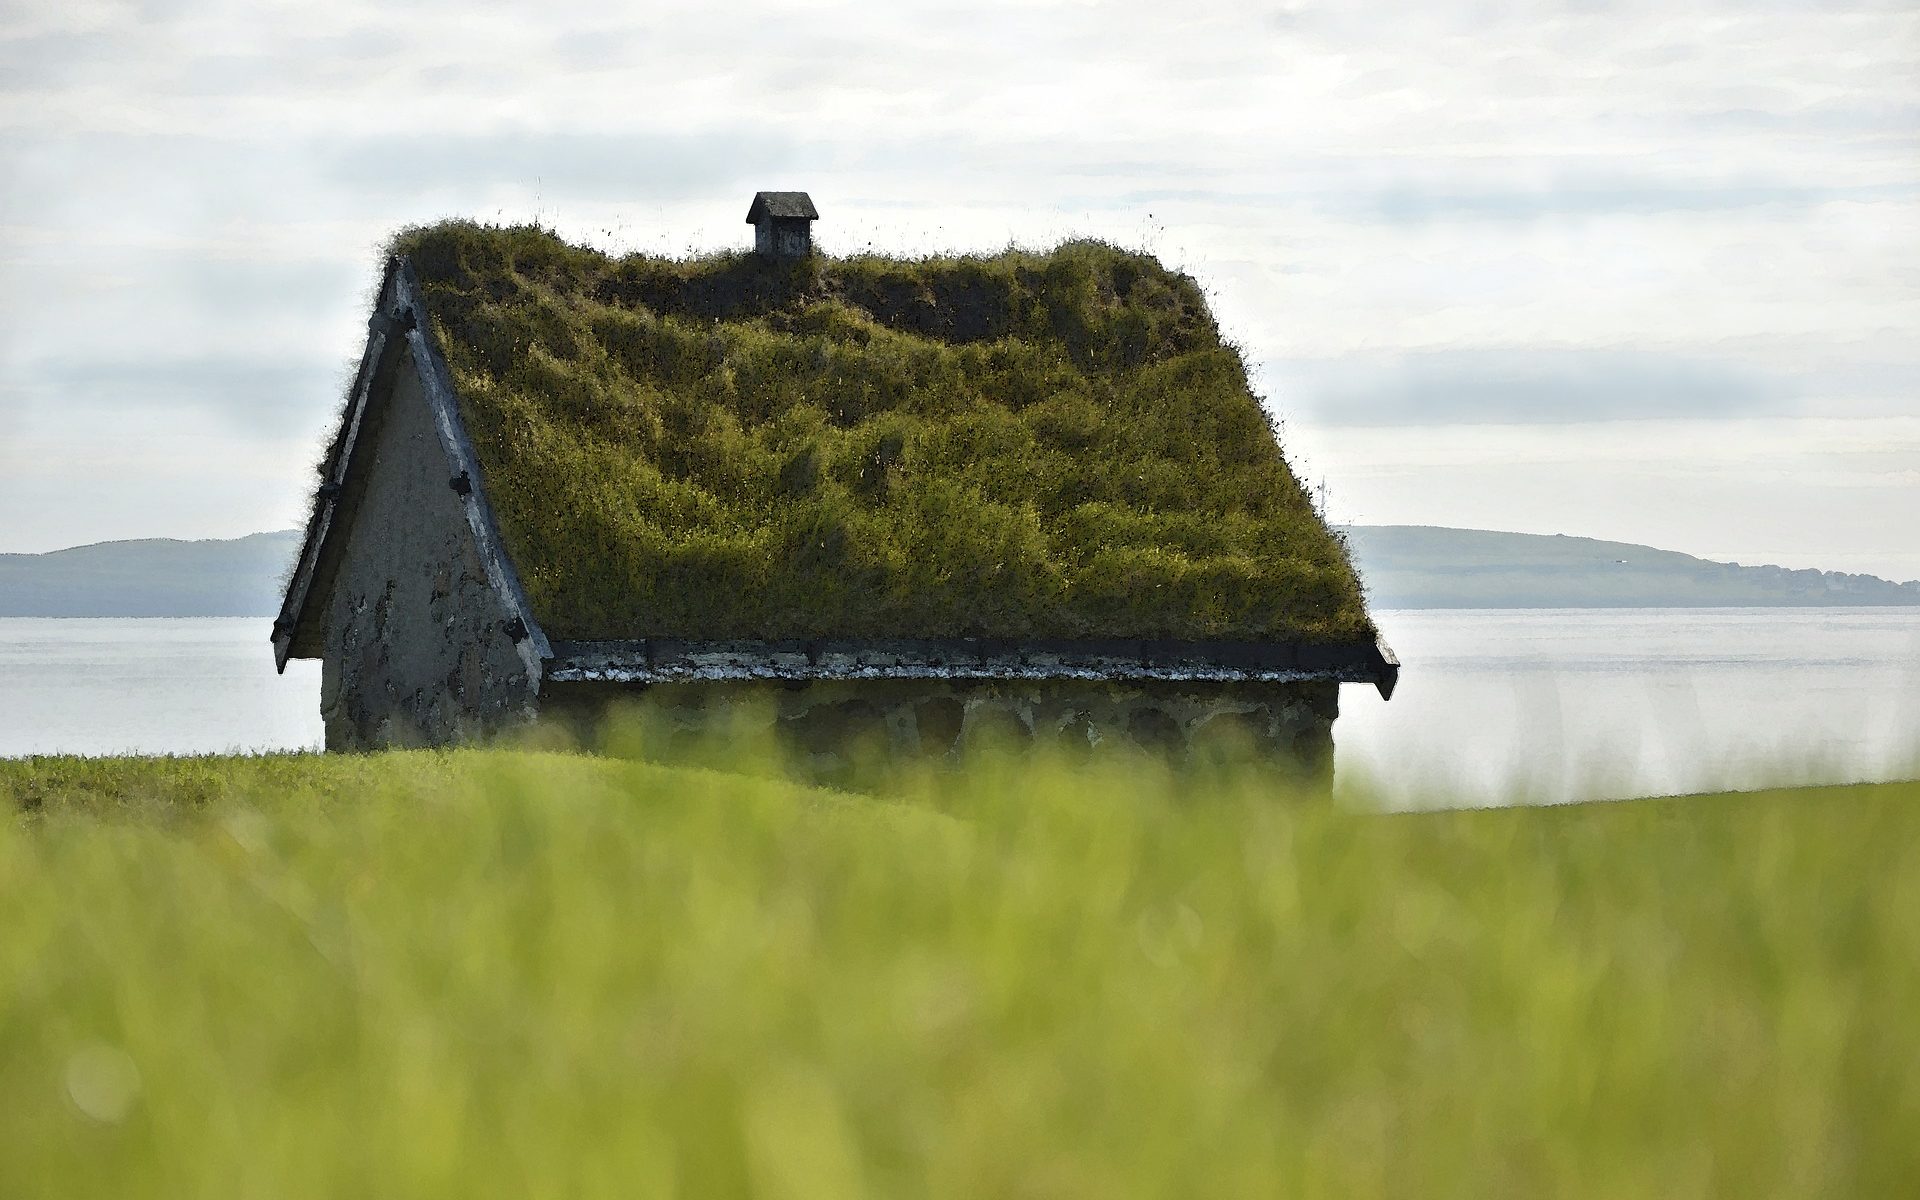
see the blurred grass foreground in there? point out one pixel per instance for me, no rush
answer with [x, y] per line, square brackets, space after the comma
[515, 973]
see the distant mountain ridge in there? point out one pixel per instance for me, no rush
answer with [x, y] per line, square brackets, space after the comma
[151, 577]
[1403, 566]
[1428, 566]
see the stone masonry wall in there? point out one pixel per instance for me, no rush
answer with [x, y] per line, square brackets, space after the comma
[830, 723]
[416, 653]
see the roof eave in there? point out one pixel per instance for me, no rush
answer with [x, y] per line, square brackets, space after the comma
[664, 660]
[1386, 665]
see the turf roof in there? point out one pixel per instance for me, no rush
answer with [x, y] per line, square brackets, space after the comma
[1023, 445]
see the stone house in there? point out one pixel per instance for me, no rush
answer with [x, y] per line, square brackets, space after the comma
[899, 502]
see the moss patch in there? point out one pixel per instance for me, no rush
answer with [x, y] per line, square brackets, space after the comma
[1023, 445]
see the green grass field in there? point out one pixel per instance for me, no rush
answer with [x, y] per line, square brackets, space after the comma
[520, 974]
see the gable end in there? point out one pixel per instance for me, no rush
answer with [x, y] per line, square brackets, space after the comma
[398, 325]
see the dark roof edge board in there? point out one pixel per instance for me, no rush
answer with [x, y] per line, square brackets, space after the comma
[664, 660]
[326, 499]
[401, 309]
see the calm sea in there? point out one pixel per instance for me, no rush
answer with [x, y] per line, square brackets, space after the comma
[1493, 706]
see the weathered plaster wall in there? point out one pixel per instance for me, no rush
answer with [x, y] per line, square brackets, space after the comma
[830, 723]
[416, 651]
[784, 237]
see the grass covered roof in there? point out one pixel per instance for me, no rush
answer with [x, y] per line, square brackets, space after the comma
[1023, 445]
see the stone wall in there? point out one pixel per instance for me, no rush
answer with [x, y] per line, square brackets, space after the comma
[829, 725]
[416, 651]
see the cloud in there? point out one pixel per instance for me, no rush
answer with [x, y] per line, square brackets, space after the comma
[1441, 192]
[1465, 219]
[250, 397]
[1517, 386]
[1801, 491]
[639, 166]
[1413, 203]
[225, 329]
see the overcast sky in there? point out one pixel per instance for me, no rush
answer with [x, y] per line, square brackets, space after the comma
[1638, 271]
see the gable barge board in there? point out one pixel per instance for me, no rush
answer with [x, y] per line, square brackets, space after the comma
[327, 498]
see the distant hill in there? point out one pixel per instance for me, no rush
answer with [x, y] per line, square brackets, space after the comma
[1425, 566]
[152, 577]
[1403, 566]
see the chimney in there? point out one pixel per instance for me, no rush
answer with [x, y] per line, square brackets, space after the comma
[782, 224]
